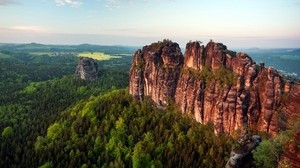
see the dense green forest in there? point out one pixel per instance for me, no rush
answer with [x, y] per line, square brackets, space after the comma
[34, 90]
[36, 47]
[48, 118]
[114, 130]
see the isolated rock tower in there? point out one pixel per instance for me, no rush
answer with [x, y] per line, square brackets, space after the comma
[87, 69]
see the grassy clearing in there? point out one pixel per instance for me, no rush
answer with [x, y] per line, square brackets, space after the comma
[97, 55]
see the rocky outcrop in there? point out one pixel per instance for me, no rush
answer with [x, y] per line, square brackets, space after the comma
[215, 85]
[240, 155]
[155, 71]
[87, 69]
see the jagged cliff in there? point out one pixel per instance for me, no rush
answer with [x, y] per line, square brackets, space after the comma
[87, 69]
[155, 72]
[216, 85]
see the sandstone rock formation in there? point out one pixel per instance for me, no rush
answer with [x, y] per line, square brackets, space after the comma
[155, 71]
[215, 85]
[87, 69]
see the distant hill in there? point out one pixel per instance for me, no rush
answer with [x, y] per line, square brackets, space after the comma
[297, 51]
[36, 47]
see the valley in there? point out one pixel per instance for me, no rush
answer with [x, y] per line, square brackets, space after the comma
[50, 118]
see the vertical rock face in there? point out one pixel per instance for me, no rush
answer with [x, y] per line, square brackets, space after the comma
[215, 85]
[87, 69]
[155, 71]
[194, 56]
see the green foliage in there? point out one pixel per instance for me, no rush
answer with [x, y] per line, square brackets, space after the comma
[84, 166]
[133, 134]
[223, 75]
[36, 91]
[156, 46]
[140, 158]
[59, 121]
[8, 132]
[40, 49]
[54, 131]
[82, 90]
[40, 144]
[30, 89]
[47, 165]
[88, 110]
[267, 154]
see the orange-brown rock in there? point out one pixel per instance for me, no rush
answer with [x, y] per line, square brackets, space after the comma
[215, 85]
[155, 71]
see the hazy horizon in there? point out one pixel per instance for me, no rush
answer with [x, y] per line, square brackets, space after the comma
[237, 24]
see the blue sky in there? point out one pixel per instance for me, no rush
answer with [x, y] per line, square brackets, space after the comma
[236, 23]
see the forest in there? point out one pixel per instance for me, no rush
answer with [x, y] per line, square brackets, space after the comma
[35, 90]
[49, 118]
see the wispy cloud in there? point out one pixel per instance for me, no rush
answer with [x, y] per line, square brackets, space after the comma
[112, 3]
[73, 3]
[28, 28]
[8, 2]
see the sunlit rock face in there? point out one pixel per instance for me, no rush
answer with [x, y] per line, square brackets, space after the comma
[87, 69]
[155, 71]
[215, 85]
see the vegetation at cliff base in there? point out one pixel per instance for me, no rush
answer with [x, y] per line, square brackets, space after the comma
[48, 118]
[268, 153]
[114, 130]
[35, 90]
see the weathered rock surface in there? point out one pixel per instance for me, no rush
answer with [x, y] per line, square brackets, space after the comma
[241, 154]
[215, 85]
[87, 69]
[155, 71]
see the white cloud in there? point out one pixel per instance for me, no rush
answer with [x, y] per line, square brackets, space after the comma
[74, 3]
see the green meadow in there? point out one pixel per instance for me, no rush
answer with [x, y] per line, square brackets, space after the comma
[98, 55]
